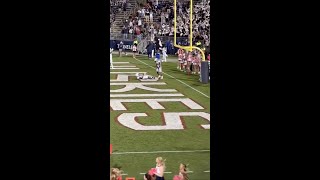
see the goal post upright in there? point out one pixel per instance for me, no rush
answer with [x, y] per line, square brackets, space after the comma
[190, 47]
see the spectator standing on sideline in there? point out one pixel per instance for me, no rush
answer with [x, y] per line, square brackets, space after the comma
[150, 49]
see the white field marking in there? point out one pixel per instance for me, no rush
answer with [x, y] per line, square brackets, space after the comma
[124, 174]
[120, 77]
[172, 121]
[127, 72]
[121, 63]
[132, 86]
[138, 83]
[124, 68]
[146, 95]
[149, 80]
[189, 171]
[155, 152]
[206, 171]
[167, 172]
[176, 79]
[117, 104]
[143, 173]
[125, 76]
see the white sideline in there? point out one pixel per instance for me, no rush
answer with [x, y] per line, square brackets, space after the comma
[154, 152]
[175, 79]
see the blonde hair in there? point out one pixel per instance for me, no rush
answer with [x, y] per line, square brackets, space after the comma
[184, 172]
[115, 173]
[161, 161]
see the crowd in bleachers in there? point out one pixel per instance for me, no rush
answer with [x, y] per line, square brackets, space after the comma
[115, 7]
[156, 18]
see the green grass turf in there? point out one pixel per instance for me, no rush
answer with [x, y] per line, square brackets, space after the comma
[192, 138]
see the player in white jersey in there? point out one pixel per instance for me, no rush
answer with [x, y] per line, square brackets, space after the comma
[159, 68]
[164, 54]
[144, 76]
[111, 62]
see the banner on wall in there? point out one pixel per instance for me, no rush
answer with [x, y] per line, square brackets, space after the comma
[127, 45]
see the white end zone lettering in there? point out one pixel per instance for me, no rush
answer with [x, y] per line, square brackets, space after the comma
[124, 76]
[117, 104]
[172, 121]
[132, 86]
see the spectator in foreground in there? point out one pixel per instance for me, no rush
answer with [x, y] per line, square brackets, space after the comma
[148, 177]
[115, 174]
[182, 173]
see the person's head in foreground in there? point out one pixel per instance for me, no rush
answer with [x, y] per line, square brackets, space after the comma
[115, 174]
[160, 161]
[147, 177]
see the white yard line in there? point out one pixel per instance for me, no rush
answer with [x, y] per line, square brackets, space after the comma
[124, 66]
[155, 152]
[127, 72]
[176, 79]
[146, 95]
[120, 62]
[206, 171]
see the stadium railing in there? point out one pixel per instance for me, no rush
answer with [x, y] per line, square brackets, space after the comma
[163, 38]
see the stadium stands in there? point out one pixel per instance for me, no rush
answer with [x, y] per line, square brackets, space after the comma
[152, 19]
[149, 20]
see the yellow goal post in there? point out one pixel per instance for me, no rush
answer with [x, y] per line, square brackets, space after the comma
[190, 47]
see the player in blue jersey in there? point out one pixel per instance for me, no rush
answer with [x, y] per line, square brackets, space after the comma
[159, 66]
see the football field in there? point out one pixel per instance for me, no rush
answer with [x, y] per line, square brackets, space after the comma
[168, 118]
